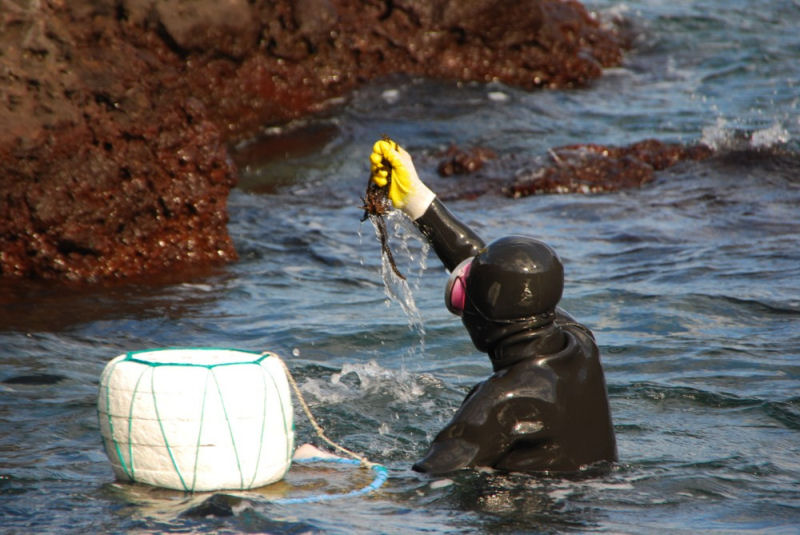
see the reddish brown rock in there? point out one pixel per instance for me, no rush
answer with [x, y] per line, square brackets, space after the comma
[115, 115]
[458, 161]
[104, 175]
[586, 168]
[598, 168]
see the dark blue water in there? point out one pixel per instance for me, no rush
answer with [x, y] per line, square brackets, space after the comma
[691, 285]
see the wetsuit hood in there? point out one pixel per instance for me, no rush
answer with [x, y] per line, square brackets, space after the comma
[514, 285]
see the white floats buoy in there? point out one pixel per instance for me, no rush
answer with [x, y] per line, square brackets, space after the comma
[197, 419]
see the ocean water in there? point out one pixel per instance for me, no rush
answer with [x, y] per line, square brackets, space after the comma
[691, 285]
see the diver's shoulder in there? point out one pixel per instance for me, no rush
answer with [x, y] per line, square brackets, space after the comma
[566, 322]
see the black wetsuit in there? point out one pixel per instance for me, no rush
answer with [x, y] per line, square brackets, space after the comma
[545, 408]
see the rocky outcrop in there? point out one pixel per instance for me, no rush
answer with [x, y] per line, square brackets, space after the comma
[601, 169]
[587, 168]
[116, 114]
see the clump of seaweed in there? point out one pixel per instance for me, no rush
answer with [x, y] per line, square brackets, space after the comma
[376, 206]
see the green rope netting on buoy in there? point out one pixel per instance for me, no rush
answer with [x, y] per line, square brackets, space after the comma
[212, 360]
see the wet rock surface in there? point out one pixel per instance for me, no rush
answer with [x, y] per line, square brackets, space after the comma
[116, 116]
[585, 168]
[600, 169]
[459, 161]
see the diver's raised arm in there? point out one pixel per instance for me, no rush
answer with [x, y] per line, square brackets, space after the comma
[452, 240]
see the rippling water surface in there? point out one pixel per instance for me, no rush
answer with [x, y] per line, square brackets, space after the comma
[691, 285]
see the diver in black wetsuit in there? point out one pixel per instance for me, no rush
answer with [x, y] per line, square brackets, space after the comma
[545, 406]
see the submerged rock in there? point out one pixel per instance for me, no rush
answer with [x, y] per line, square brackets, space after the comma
[115, 115]
[217, 505]
[36, 379]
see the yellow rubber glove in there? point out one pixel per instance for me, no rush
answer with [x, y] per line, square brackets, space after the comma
[407, 192]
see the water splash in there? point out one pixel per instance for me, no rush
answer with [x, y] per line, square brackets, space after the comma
[774, 135]
[718, 135]
[403, 234]
[724, 136]
[357, 380]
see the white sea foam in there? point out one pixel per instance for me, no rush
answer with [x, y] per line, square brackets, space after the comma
[721, 135]
[391, 96]
[441, 483]
[774, 135]
[718, 135]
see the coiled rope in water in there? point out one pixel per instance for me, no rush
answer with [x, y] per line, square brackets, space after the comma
[381, 475]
